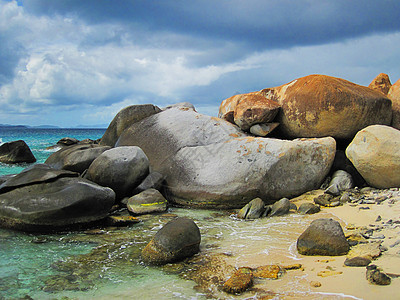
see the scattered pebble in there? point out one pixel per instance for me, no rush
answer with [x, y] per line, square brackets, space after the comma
[315, 284]
[395, 244]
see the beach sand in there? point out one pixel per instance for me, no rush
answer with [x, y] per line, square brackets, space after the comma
[341, 282]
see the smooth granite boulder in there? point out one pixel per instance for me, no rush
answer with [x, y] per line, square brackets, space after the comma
[280, 208]
[162, 135]
[323, 237]
[124, 119]
[375, 153]
[147, 202]
[232, 173]
[319, 105]
[178, 239]
[121, 168]
[42, 199]
[16, 152]
[76, 158]
[394, 95]
[197, 155]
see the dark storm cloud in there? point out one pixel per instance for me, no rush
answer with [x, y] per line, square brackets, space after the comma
[261, 24]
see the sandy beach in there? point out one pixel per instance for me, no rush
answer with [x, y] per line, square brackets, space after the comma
[326, 277]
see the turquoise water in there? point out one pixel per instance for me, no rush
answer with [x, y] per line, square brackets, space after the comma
[39, 139]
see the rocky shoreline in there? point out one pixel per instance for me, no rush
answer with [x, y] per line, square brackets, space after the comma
[331, 147]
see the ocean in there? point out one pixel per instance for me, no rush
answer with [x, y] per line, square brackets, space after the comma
[104, 263]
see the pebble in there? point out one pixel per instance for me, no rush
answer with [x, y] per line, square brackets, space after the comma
[377, 237]
[364, 207]
[315, 284]
[378, 219]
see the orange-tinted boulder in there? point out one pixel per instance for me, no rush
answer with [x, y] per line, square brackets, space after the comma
[381, 83]
[394, 95]
[319, 105]
[246, 110]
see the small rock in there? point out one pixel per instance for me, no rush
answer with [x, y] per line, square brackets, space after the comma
[324, 199]
[280, 207]
[315, 284]
[345, 198]
[293, 267]
[369, 251]
[308, 208]
[239, 282]
[270, 271]
[327, 273]
[378, 219]
[341, 181]
[395, 244]
[376, 276]
[263, 129]
[121, 220]
[357, 261]
[252, 210]
[323, 237]
[178, 239]
[377, 237]
[334, 204]
[147, 202]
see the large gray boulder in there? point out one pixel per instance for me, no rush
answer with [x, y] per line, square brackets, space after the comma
[162, 135]
[76, 158]
[42, 199]
[121, 169]
[375, 153]
[16, 152]
[209, 162]
[124, 119]
[178, 239]
[323, 237]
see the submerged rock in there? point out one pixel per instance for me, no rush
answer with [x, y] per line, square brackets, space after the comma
[280, 208]
[178, 239]
[16, 152]
[239, 282]
[375, 153]
[308, 209]
[323, 237]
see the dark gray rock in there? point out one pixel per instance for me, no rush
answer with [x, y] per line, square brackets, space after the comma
[280, 208]
[323, 237]
[35, 174]
[376, 276]
[4, 178]
[308, 209]
[154, 180]
[357, 261]
[147, 202]
[341, 181]
[16, 152]
[45, 204]
[76, 158]
[324, 199]
[126, 117]
[178, 239]
[67, 141]
[252, 210]
[121, 168]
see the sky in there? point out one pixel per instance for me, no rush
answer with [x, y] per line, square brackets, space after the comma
[78, 62]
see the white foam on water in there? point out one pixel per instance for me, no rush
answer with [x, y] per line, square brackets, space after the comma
[1, 141]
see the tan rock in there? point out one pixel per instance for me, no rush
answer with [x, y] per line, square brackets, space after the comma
[326, 273]
[269, 271]
[319, 105]
[246, 110]
[394, 95]
[240, 281]
[263, 129]
[370, 251]
[375, 154]
[381, 83]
